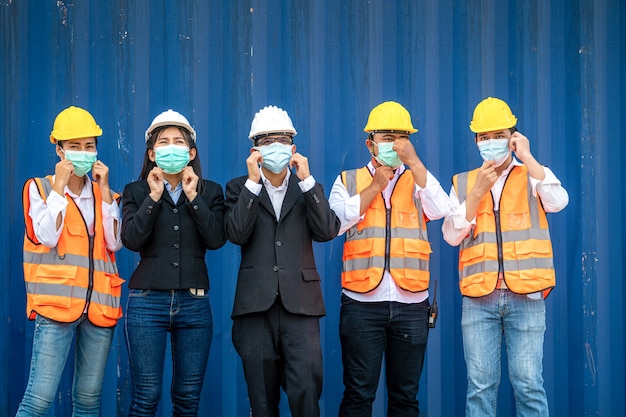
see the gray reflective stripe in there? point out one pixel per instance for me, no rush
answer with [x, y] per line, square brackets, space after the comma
[379, 262]
[461, 182]
[60, 290]
[105, 299]
[350, 265]
[379, 232]
[351, 182]
[367, 233]
[512, 265]
[47, 186]
[510, 236]
[73, 292]
[53, 258]
[409, 263]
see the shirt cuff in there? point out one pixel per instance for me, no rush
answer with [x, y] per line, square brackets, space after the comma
[254, 187]
[307, 183]
[111, 210]
[459, 218]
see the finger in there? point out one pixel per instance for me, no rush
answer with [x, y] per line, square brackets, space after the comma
[488, 164]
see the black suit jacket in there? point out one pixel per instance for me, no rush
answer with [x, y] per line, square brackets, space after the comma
[172, 238]
[277, 256]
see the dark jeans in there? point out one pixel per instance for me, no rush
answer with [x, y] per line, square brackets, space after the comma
[367, 330]
[150, 316]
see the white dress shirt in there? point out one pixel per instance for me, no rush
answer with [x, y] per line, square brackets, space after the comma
[44, 215]
[435, 203]
[277, 194]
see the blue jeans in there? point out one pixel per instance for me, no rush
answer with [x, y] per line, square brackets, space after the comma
[150, 316]
[522, 321]
[51, 345]
[367, 330]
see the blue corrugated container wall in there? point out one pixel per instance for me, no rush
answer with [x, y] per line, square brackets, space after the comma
[558, 63]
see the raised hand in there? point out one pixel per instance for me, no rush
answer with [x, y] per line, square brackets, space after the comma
[190, 183]
[253, 162]
[63, 170]
[156, 183]
[301, 163]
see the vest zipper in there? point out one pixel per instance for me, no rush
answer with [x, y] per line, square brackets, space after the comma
[499, 241]
[388, 239]
[91, 269]
[91, 245]
[499, 227]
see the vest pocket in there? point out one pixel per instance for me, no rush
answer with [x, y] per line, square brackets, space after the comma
[54, 285]
[407, 218]
[310, 275]
[517, 221]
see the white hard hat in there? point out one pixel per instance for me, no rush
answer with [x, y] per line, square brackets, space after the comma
[271, 119]
[170, 118]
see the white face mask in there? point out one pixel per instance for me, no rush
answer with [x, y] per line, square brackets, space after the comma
[494, 150]
[275, 156]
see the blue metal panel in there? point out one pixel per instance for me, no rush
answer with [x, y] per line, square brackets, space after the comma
[558, 63]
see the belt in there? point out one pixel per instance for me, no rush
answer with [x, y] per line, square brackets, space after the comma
[197, 291]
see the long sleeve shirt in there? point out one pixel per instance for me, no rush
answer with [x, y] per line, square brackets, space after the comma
[435, 203]
[553, 197]
[45, 213]
[277, 194]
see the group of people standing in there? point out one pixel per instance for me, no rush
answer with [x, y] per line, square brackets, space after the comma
[171, 215]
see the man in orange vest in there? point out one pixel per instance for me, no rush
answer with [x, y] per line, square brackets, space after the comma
[72, 284]
[506, 269]
[383, 208]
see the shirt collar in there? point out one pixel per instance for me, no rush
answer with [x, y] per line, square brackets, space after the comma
[169, 187]
[267, 182]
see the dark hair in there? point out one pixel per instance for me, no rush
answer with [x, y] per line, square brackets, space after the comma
[148, 164]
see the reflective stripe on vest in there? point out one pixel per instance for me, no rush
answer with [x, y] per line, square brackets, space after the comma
[526, 248]
[393, 239]
[79, 271]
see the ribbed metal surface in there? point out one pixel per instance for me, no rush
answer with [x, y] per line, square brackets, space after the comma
[558, 63]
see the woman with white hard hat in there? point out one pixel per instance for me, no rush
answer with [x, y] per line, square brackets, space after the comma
[171, 216]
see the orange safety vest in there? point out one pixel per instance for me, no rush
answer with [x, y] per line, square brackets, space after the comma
[392, 239]
[79, 272]
[514, 239]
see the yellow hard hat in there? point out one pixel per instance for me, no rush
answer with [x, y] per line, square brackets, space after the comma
[492, 114]
[74, 123]
[389, 116]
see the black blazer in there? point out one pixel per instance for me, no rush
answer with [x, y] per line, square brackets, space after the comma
[172, 239]
[277, 256]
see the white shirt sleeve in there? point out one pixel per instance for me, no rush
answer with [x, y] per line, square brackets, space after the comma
[554, 197]
[307, 183]
[435, 201]
[346, 207]
[44, 215]
[455, 226]
[112, 225]
[254, 187]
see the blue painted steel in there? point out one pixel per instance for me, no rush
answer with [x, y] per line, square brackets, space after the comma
[558, 63]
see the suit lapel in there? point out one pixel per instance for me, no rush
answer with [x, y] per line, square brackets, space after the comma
[291, 197]
[265, 201]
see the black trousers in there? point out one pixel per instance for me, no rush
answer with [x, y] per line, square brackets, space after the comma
[280, 349]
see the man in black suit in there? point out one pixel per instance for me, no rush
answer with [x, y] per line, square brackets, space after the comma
[274, 216]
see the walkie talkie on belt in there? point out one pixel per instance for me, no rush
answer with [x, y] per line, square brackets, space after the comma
[433, 310]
